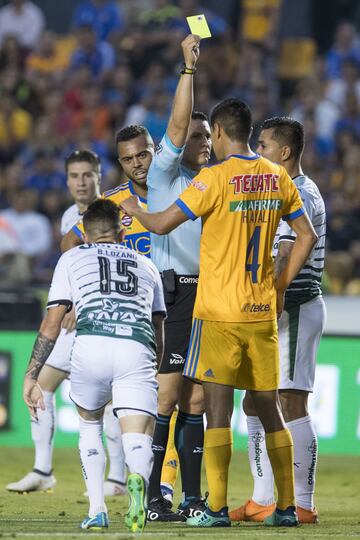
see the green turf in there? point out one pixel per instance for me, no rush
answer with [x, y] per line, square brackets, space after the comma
[58, 515]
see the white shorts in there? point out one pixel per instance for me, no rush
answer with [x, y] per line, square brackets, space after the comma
[121, 370]
[61, 353]
[300, 331]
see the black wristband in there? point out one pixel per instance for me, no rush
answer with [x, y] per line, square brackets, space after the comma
[187, 71]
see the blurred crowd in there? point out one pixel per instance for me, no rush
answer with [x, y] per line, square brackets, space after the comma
[118, 65]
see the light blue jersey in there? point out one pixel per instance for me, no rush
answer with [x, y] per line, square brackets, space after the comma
[167, 179]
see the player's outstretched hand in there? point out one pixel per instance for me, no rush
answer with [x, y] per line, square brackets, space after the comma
[33, 396]
[191, 51]
[131, 205]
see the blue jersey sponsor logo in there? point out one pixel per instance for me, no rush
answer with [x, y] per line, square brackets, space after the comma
[139, 242]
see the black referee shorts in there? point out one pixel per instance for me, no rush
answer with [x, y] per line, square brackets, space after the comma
[180, 302]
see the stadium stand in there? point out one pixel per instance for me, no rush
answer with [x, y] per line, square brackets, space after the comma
[74, 90]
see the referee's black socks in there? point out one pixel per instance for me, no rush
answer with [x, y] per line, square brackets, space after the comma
[189, 442]
[160, 439]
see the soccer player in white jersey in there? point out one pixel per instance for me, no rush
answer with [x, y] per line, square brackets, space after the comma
[282, 140]
[119, 304]
[83, 171]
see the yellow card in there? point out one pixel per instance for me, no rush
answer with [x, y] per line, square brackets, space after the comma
[199, 26]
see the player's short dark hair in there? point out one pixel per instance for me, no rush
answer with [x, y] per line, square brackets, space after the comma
[84, 155]
[199, 115]
[287, 131]
[102, 216]
[235, 117]
[131, 132]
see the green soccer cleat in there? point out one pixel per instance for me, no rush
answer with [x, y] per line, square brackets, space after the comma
[208, 518]
[135, 518]
[97, 523]
[282, 518]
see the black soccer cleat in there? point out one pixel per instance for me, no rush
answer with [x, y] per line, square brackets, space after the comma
[159, 510]
[192, 507]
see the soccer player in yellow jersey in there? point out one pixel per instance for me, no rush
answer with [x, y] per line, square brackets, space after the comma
[234, 340]
[135, 152]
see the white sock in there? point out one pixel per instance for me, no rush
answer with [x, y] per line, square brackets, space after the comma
[305, 460]
[117, 469]
[259, 462]
[138, 454]
[42, 433]
[93, 462]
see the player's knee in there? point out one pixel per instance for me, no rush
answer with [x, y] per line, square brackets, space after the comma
[268, 409]
[192, 398]
[248, 405]
[167, 401]
[294, 405]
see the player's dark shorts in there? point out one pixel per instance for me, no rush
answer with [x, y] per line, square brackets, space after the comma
[180, 293]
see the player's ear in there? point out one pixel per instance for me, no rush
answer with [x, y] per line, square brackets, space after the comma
[216, 131]
[286, 153]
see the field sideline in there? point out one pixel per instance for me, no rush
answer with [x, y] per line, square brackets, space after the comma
[58, 515]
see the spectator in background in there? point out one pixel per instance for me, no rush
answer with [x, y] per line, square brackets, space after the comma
[94, 113]
[45, 174]
[104, 16]
[22, 19]
[337, 89]
[350, 119]
[32, 229]
[44, 266]
[98, 56]
[12, 54]
[43, 139]
[15, 127]
[14, 266]
[157, 117]
[77, 82]
[51, 54]
[310, 102]
[346, 47]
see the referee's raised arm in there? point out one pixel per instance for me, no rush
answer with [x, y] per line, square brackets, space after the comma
[183, 103]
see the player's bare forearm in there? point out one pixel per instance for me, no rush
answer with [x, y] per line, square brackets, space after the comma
[306, 238]
[45, 341]
[157, 222]
[40, 353]
[299, 254]
[184, 99]
[282, 257]
[69, 241]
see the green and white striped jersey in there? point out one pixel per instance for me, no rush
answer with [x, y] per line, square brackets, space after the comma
[307, 284]
[115, 291]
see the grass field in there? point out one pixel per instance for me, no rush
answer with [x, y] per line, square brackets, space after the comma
[57, 515]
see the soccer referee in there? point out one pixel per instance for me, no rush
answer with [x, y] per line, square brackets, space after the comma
[184, 149]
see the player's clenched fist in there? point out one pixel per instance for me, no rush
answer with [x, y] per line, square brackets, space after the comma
[131, 205]
[191, 51]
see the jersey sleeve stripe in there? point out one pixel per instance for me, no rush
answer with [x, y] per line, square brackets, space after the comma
[172, 146]
[185, 209]
[295, 214]
[77, 231]
[287, 237]
[56, 303]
